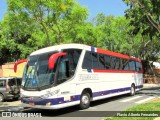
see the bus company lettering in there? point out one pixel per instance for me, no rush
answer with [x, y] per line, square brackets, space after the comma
[88, 77]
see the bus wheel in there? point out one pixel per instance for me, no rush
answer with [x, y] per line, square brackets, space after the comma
[85, 101]
[132, 90]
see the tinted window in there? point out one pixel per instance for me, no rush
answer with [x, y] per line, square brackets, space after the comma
[117, 63]
[75, 56]
[87, 62]
[125, 65]
[95, 61]
[72, 57]
[113, 62]
[132, 65]
[68, 64]
[108, 62]
[101, 61]
[138, 66]
[2, 83]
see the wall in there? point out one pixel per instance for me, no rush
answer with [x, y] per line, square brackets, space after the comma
[7, 70]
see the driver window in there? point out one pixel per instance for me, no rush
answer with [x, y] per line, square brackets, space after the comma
[63, 72]
[68, 64]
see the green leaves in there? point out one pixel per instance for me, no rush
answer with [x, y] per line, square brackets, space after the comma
[145, 17]
[33, 24]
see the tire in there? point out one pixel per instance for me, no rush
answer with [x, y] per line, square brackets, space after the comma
[1, 98]
[16, 98]
[84, 100]
[132, 92]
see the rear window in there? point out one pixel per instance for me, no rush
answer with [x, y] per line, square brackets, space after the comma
[2, 83]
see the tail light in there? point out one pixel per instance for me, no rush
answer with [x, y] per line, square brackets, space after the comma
[7, 87]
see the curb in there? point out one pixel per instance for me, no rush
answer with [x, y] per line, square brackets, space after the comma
[151, 88]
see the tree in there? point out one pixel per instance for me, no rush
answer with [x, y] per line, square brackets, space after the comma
[53, 17]
[112, 34]
[30, 25]
[144, 16]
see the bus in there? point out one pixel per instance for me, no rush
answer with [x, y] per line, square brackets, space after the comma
[75, 74]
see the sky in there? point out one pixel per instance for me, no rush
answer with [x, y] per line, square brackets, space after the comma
[108, 7]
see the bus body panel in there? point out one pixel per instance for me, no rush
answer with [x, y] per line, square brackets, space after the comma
[103, 83]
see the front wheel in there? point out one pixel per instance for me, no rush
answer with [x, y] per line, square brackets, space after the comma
[85, 101]
[132, 90]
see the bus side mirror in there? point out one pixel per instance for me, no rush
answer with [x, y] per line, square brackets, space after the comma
[53, 58]
[17, 63]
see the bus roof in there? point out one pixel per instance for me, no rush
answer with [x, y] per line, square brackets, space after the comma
[82, 46]
[59, 47]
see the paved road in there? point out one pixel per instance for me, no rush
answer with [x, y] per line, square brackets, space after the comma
[99, 109]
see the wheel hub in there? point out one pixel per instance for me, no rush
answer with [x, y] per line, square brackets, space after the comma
[85, 100]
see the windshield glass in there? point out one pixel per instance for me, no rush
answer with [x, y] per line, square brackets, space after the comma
[37, 74]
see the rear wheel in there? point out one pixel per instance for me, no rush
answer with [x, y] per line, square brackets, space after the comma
[1, 98]
[85, 100]
[132, 90]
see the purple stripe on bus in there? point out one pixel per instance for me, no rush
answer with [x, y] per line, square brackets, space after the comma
[89, 70]
[92, 49]
[60, 100]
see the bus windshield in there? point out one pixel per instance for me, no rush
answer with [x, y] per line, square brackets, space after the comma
[37, 74]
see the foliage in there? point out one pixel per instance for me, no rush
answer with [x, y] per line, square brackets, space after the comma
[113, 34]
[144, 15]
[30, 25]
[33, 24]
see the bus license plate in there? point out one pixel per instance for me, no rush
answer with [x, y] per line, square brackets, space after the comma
[32, 104]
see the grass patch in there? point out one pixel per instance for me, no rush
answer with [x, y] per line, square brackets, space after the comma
[153, 105]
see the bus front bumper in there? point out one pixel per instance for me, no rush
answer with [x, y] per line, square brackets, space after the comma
[59, 106]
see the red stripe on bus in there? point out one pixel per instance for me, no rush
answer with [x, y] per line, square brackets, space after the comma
[107, 52]
[115, 71]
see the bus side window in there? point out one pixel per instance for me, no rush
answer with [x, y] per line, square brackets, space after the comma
[101, 61]
[132, 65]
[95, 60]
[138, 66]
[87, 61]
[113, 62]
[108, 62]
[125, 65]
[117, 62]
[73, 58]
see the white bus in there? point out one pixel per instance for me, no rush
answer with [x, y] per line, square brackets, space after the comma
[75, 74]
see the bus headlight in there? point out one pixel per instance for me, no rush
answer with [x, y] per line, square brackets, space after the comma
[48, 104]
